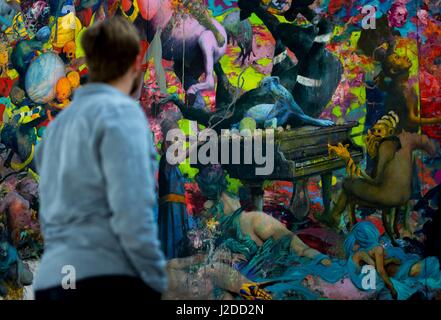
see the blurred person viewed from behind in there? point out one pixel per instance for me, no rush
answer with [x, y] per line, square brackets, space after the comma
[97, 187]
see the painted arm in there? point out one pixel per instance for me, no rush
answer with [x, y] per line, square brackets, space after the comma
[382, 84]
[295, 108]
[412, 107]
[364, 257]
[303, 250]
[220, 117]
[341, 151]
[386, 153]
[379, 266]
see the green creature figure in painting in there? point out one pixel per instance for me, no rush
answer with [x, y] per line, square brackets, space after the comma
[20, 135]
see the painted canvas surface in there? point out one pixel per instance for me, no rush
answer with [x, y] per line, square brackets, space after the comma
[347, 93]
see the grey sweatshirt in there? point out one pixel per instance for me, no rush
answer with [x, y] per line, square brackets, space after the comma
[97, 191]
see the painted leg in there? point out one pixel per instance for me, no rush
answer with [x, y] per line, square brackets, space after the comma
[300, 203]
[207, 42]
[326, 192]
[395, 220]
[224, 90]
[332, 218]
[202, 16]
[406, 219]
[387, 225]
[352, 216]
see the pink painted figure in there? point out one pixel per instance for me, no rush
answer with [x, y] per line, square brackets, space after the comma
[184, 38]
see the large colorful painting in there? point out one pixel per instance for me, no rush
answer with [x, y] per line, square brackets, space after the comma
[345, 95]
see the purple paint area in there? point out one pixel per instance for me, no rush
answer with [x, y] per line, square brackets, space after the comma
[438, 177]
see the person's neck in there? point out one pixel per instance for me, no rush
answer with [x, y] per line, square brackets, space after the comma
[230, 204]
[123, 84]
[401, 79]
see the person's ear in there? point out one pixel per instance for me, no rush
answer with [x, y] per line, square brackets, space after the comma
[137, 66]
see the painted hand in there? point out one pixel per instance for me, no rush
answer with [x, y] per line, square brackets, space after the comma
[252, 291]
[340, 151]
[343, 153]
[325, 123]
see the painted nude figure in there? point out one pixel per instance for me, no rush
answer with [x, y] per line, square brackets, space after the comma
[311, 82]
[390, 186]
[399, 274]
[188, 37]
[251, 229]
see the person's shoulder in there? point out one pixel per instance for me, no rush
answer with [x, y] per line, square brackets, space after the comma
[124, 116]
[378, 250]
[118, 101]
[122, 107]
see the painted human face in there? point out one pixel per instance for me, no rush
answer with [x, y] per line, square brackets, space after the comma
[380, 130]
[372, 142]
[399, 63]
